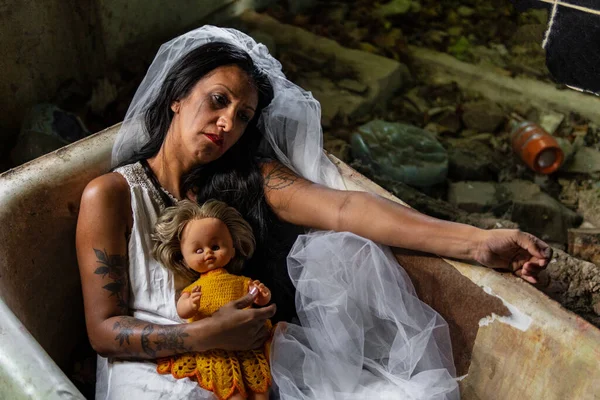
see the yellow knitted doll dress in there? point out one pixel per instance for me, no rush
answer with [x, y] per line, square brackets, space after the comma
[221, 371]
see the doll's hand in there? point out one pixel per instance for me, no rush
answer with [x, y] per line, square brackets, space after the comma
[263, 295]
[188, 303]
[194, 300]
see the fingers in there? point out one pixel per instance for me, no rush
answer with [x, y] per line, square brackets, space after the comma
[195, 299]
[534, 246]
[530, 271]
[245, 301]
[265, 313]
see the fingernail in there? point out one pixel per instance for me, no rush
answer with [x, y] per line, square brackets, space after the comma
[254, 290]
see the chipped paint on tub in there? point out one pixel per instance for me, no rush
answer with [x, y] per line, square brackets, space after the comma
[517, 319]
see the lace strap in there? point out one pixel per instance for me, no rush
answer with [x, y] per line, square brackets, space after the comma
[167, 198]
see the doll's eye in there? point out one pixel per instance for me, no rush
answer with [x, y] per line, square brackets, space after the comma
[199, 251]
[215, 248]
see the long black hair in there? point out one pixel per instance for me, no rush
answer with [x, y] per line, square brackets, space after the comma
[234, 178]
[235, 172]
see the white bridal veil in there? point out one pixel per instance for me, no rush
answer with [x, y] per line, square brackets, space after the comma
[364, 334]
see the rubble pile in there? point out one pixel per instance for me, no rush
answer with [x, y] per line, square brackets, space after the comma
[447, 151]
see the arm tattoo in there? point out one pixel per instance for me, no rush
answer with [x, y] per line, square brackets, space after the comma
[153, 338]
[115, 266]
[280, 177]
[170, 338]
[124, 326]
[148, 329]
[167, 338]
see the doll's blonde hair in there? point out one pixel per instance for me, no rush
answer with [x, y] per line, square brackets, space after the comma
[170, 226]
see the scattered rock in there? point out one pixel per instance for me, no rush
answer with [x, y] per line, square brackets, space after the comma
[585, 161]
[529, 59]
[455, 31]
[473, 160]
[338, 13]
[538, 213]
[434, 207]
[567, 148]
[574, 283]
[417, 101]
[483, 116]
[460, 49]
[551, 121]
[394, 7]
[447, 119]
[530, 33]
[382, 76]
[584, 243]
[485, 55]
[353, 86]
[473, 197]
[527, 112]
[401, 152]
[465, 11]
[589, 205]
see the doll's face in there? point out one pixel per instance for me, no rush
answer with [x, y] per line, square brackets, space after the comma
[206, 244]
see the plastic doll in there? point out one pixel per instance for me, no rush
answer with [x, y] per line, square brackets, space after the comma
[210, 243]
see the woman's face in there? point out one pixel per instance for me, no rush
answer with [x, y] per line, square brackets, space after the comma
[214, 115]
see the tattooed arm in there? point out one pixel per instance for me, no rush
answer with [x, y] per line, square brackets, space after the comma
[104, 221]
[304, 203]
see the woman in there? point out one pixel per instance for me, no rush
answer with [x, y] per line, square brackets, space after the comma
[208, 100]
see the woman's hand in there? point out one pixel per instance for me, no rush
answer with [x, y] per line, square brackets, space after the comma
[238, 327]
[517, 251]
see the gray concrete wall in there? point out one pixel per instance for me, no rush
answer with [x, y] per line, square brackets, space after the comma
[135, 21]
[43, 44]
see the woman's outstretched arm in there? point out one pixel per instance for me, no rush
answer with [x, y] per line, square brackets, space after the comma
[301, 202]
[102, 227]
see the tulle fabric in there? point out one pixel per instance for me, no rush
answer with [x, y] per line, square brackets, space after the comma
[364, 334]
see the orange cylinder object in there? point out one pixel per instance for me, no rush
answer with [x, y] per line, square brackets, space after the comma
[537, 148]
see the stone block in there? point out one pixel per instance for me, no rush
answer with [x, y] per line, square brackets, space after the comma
[474, 197]
[374, 78]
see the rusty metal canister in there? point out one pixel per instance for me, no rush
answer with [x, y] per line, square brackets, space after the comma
[536, 147]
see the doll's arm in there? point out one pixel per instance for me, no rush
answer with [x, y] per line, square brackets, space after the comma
[263, 296]
[188, 303]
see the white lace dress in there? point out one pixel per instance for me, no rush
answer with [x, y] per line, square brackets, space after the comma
[151, 298]
[364, 333]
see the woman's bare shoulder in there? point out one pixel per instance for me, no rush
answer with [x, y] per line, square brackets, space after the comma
[110, 190]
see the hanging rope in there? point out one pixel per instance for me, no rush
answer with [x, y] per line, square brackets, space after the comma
[551, 23]
[569, 5]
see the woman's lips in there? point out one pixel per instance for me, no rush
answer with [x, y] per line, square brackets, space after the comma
[215, 139]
